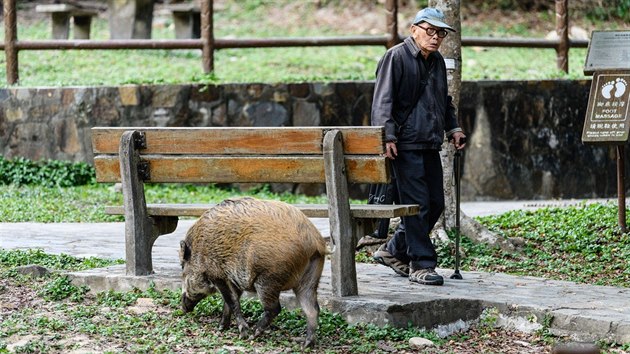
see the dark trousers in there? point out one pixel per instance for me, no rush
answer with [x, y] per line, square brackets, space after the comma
[420, 181]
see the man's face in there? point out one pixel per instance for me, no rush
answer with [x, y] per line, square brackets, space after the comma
[428, 43]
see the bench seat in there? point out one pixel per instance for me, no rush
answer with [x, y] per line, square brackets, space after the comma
[360, 211]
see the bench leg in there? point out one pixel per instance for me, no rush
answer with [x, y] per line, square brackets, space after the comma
[139, 239]
[60, 25]
[187, 24]
[343, 268]
[141, 230]
[82, 26]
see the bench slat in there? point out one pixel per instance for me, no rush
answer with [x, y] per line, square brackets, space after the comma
[241, 140]
[362, 211]
[227, 169]
[65, 8]
[185, 7]
[55, 8]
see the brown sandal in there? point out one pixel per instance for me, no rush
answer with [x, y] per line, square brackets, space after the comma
[385, 258]
[426, 276]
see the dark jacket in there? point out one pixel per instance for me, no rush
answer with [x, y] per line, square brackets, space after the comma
[404, 78]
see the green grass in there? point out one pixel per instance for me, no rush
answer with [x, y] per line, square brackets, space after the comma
[582, 244]
[16, 258]
[73, 204]
[35, 203]
[270, 65]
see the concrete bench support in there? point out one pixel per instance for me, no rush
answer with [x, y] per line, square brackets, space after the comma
[61, 14]
[187, 20]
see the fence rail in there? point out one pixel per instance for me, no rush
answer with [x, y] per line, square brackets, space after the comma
[208, 44]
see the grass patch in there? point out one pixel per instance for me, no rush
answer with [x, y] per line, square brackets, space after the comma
[35, 203]
[581, 244]
[17, 258]
[274, 65]
[71, 204]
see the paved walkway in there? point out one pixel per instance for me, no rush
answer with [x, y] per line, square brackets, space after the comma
[586, 312]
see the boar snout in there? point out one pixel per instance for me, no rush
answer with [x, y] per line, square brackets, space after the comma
[188, 304]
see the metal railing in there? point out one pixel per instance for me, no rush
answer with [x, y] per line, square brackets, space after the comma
[208, 44]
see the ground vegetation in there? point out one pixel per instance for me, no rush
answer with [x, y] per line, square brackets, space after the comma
[46, 313]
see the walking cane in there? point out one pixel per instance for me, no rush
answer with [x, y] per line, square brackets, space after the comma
[456, 173]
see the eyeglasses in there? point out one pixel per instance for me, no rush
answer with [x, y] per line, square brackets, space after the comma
[432, 31]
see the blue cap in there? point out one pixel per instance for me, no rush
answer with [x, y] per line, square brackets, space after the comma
[432, 16]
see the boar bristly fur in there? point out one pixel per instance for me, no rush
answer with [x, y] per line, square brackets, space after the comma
[253, 245]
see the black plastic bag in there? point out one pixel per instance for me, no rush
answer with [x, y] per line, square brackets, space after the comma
[382, 194]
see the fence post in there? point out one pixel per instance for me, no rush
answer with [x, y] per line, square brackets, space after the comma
[207, 35]
[562, 29]
[391, 11]
[10, 39]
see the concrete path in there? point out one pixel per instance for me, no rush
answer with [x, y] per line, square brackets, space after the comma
[587, 313]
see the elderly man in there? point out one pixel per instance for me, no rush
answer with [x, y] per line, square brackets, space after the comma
[411, 100]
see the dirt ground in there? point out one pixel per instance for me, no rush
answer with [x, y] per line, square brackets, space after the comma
[19, 297]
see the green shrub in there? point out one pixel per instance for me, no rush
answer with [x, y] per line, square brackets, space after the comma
[48, 173]
[613, 9]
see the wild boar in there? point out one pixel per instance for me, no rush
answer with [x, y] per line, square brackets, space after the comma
[248, 244]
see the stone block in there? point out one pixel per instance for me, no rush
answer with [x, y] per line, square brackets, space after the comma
[67, 136]
[129, 95]
[305, 114]
[166, 96]
[267, 114]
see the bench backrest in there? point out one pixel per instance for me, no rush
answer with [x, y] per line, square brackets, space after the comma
[243, 154]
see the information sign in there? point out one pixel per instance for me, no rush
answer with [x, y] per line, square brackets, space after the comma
[608, 50]
[607, 114]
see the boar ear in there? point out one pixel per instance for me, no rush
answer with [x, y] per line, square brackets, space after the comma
[184, 251]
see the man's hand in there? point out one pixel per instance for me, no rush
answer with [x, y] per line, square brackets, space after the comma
[390, 150]
[459, 140]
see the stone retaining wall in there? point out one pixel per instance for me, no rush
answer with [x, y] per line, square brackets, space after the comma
[525, 137]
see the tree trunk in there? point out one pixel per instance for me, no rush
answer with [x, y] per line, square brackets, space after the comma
[451, 50]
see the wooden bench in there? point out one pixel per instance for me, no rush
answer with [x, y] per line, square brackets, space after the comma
[335, 156]
[60, 15]
[187, 20]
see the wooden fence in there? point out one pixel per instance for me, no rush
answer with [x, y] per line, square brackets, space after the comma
[208, 44]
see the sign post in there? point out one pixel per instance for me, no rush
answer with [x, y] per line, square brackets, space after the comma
[608, 112]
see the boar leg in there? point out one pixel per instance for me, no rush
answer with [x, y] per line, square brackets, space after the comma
[308, 302]
[306, 294]
[226, 317]
[270, 300]
[232, 297]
